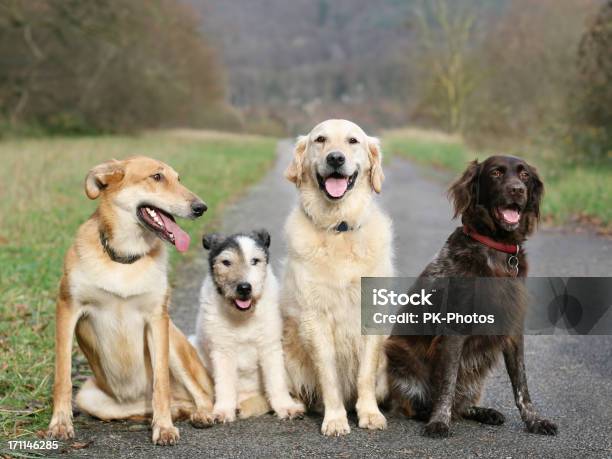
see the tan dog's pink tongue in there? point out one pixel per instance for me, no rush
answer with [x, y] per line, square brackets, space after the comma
[511, 215]
[336, 187]
[181, 238]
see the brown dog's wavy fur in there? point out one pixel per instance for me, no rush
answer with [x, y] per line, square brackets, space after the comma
[438, 378]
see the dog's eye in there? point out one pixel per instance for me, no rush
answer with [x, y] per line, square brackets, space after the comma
[227, 262]
[524, 176]
[157, 177]
[496, 173]
[353, 140]
[254, 261]
[320, 139]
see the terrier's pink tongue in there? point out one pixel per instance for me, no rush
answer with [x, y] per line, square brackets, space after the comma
[243, 304]
[336, 186]
[511, 215]
[181, 238]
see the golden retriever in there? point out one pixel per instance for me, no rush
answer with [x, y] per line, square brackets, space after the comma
[114, 293]
[336, 235]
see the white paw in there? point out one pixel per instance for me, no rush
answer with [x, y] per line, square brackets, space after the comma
[165, 435]
[291, 410]
[223, 414]
[373, 420]
[335, 425]
[60, 427]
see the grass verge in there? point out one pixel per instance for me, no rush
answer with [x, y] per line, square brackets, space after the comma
[42, 203]
[574, 192]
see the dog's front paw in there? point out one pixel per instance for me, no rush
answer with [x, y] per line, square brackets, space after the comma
[485, 415]
[373, 420]
[542, 427]
[335, 425]
[165, 435]
[293, 410]
[201, 419]
[60, 427]
[436, 429]
[223, 415]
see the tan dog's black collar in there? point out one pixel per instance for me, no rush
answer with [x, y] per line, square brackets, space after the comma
[124, 260]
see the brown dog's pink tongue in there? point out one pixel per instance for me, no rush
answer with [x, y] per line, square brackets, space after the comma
[181, 238]
[336, 187]
[511, 215]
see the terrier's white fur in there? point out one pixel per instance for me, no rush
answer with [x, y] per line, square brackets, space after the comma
[243, 348]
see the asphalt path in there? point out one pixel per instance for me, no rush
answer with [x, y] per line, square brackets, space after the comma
[570, 377]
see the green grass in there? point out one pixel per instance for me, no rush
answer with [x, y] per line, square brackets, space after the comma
[42, 203]
[580, 192]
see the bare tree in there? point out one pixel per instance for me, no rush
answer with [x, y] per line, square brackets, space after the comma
[593, 120]
[446, 33]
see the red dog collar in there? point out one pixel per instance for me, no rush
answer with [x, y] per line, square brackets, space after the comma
[512, 249]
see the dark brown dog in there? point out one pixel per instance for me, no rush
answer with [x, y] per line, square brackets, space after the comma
[439, 378]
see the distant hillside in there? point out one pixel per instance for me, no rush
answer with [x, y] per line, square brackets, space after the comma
[292, 62]
[301, 50]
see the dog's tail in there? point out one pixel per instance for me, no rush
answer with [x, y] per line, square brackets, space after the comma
[408, 375]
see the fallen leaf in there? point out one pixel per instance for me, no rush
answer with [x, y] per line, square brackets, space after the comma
[81, 445]
[22, 310]
[40, 327]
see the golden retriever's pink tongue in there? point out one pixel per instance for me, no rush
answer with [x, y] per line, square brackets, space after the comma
[243, 304]
[336, 186]
[511, 215]
[181, 238]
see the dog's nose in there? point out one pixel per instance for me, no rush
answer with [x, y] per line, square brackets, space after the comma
[516, 189]
[198, 208]
[244, 289]
[335, 159]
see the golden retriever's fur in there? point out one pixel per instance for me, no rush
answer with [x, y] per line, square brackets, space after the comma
[142, 363]
[328, 360]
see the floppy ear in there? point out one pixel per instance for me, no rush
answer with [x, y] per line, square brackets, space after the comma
[263, 237]
[463, 191]
[536, 192]
[103, 175]
[210, 241]
[376, 172]
[294, 171]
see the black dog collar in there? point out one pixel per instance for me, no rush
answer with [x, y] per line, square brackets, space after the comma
[342, 227]
[124, 260]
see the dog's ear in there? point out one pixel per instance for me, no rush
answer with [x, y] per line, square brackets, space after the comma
[376, 173]
[463, 190]
[212, 240]
[102, 176]
[263, 237]
[536, 192]
[294, 171]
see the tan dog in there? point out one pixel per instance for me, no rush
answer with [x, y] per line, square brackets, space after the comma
[114, 292]
[335, 236]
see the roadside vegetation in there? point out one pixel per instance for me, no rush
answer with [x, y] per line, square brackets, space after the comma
[575, 192]
[42, 203]
[525, 79]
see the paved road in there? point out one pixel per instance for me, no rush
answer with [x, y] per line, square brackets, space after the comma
[570, 377]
